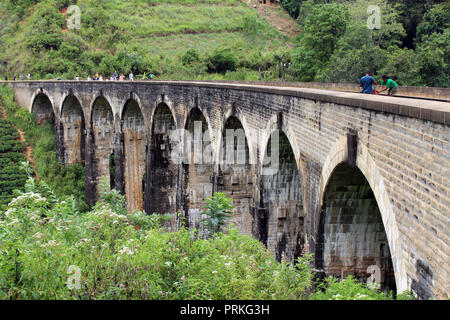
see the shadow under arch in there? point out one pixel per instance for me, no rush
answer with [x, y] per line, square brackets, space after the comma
[236, 173]
[42, 108]
[370, 182]
[161, 173]
[198, 166]
[232, 112]
[133, 130]
[73, 126]
[279, 223]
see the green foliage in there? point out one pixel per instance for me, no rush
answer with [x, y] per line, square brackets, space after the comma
[222, 60]
[191, 56]
[11, 157]
[44, 31]
[217, 211]
[153, 221]
[355, 54]
[386, 50]
[322, 30]
[436, 20]
[433, 59]
[350, 289]
[67, 181]
[19, 7]
[128, 36]
[40, 239]
[252, 24]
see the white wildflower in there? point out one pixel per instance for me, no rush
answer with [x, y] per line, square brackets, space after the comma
[51, 243]
[81, 242]
[38, 235]
[14, 221]
[126, 250]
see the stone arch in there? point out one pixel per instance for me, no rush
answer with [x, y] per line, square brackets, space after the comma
[161, 172]
[133, 129]
[272, 125]
[38, 92]
[164, 102]
[133, 97]
[102, 130]
[369, 170]
[250, 137]
[207, 119]
[43, 107]
[279, 222]
[74, 129]
[236, 172]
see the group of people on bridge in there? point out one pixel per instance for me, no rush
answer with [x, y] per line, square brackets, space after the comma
[368, 83]
[114, 77]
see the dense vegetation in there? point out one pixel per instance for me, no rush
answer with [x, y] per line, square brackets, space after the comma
[140, 36]
[46, 245]
[213, 39]
[336, 45]
[11, 157]
[66, 181]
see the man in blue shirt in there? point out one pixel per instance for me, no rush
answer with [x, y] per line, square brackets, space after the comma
[366, 83]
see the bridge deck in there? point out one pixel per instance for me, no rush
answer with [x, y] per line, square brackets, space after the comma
[431, 110]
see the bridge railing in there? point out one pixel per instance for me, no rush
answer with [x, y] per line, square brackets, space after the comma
[409, 91]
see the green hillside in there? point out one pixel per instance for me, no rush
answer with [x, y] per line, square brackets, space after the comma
[325, 40]
[140, 36]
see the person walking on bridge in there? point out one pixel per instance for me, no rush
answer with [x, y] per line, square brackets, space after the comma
[388, 84]
[366, 83]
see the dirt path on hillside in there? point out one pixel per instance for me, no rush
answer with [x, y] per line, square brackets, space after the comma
[276, 16]
[28, 150]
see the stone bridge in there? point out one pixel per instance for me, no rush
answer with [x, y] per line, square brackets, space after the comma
[363, 182]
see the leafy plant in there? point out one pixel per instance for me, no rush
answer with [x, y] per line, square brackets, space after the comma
[350, 289]
[222, 60]
[218, 211]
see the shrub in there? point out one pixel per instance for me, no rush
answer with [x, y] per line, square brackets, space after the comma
[190, 57]
[350, 289]
[40, 239]
[222, 60]
[218, 211]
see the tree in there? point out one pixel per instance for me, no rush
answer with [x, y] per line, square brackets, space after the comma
[433, 59]
[190, 56]
[436, 20]
[412, 12]
[218, 211]
[222, 60]
[45, 29]
[355, 54]
[323, 28]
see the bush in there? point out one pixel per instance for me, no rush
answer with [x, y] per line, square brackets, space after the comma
[40, 239]
[350, 289]
[222, 60]
[67, 181]
[218, 211]
[190, 57]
